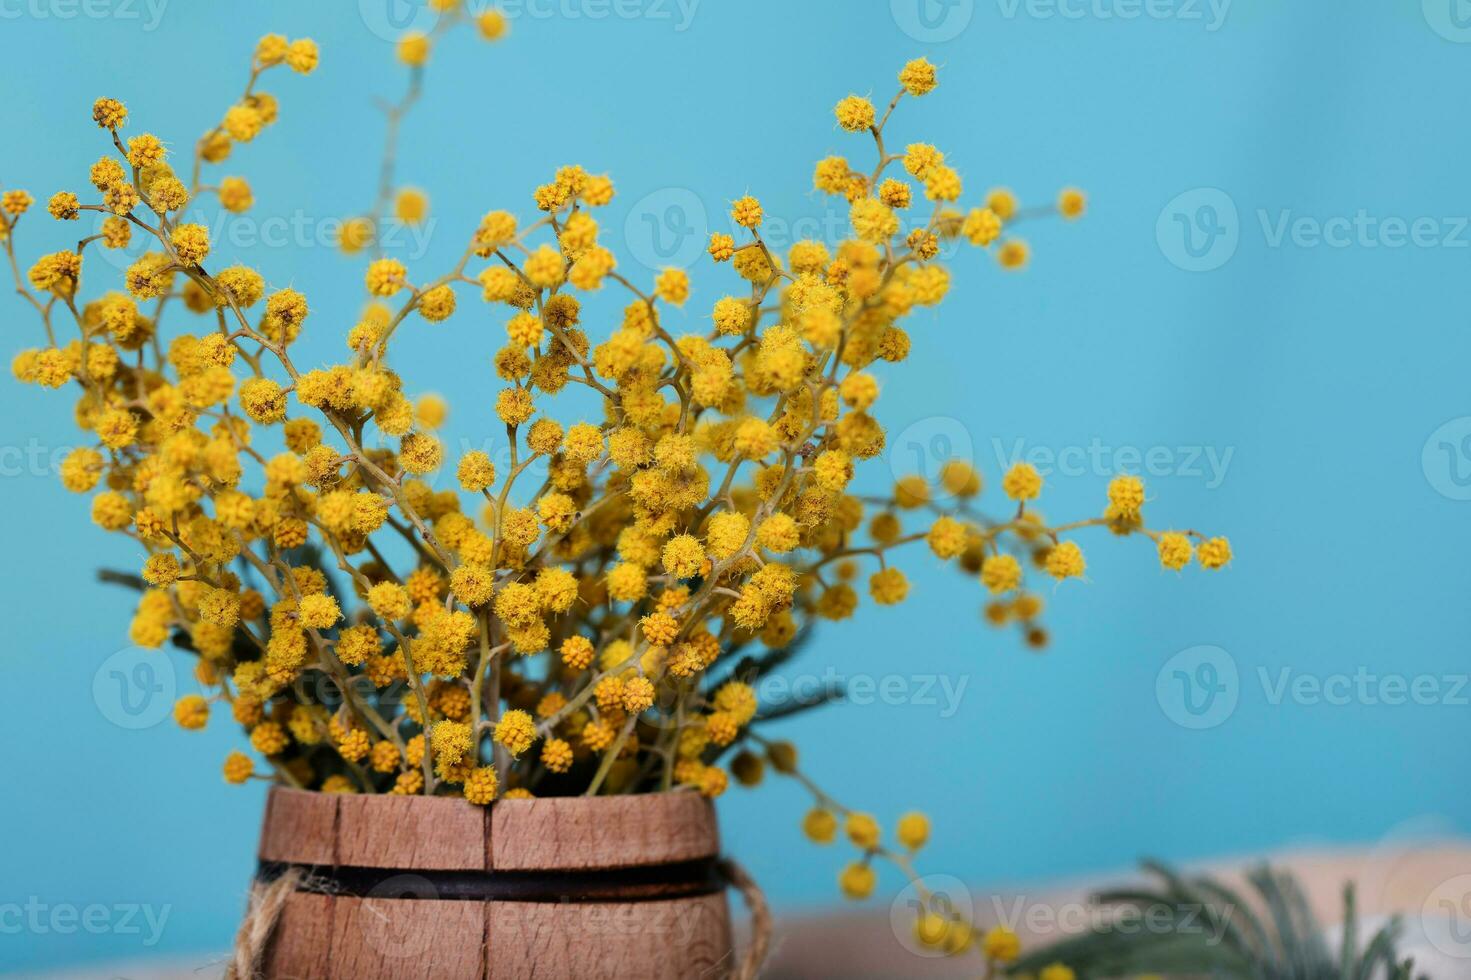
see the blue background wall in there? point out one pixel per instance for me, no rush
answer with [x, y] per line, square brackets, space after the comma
[1329, 376]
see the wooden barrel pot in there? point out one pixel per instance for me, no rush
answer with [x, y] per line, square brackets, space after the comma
[413, 886]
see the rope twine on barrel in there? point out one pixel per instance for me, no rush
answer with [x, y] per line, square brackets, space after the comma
[750, 966]
[268, 899]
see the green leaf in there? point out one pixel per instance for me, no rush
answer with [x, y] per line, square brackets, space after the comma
[1286, 945]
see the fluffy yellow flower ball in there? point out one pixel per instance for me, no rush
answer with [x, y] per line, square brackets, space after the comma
[778, 533]
[302, 56]
[1071, 203]
[420, 453]
[947, 538]
[746, 212]
[557, 755]
[386, 277]
[450, 741]
[476, 472]
[438, 304]
[1125, 497]
[913, 830]
[191, 712]
[873, 220]
[516, 731]
[820, 825]
[1214, 553]
[318, 611]
[888, 587]
[481, 785]
[238, 768]
[1001, 573]
[857, 881]
[492, 25]
[411, 206]
[413, 49]
[389, 600]
[64, 206]
[673, 286]
[1013, 254]
[918, 77]
[109, 113]
[1065, 561]
[1002, 944]
[854, 113]
[1022, 482]
[683, 556]
[1175, 550]
[862, 829]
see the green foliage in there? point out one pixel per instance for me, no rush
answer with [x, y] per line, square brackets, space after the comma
[1198, 927]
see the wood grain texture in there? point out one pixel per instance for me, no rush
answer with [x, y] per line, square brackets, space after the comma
[661, 940]
[403, 930]
[424, 832]
[301, 946]
[299, 827]
[407, 939]
[578, 833]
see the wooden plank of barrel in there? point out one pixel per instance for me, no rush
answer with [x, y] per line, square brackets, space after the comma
[413, 886]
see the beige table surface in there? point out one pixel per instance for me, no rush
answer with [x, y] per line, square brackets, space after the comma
[861, 944]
